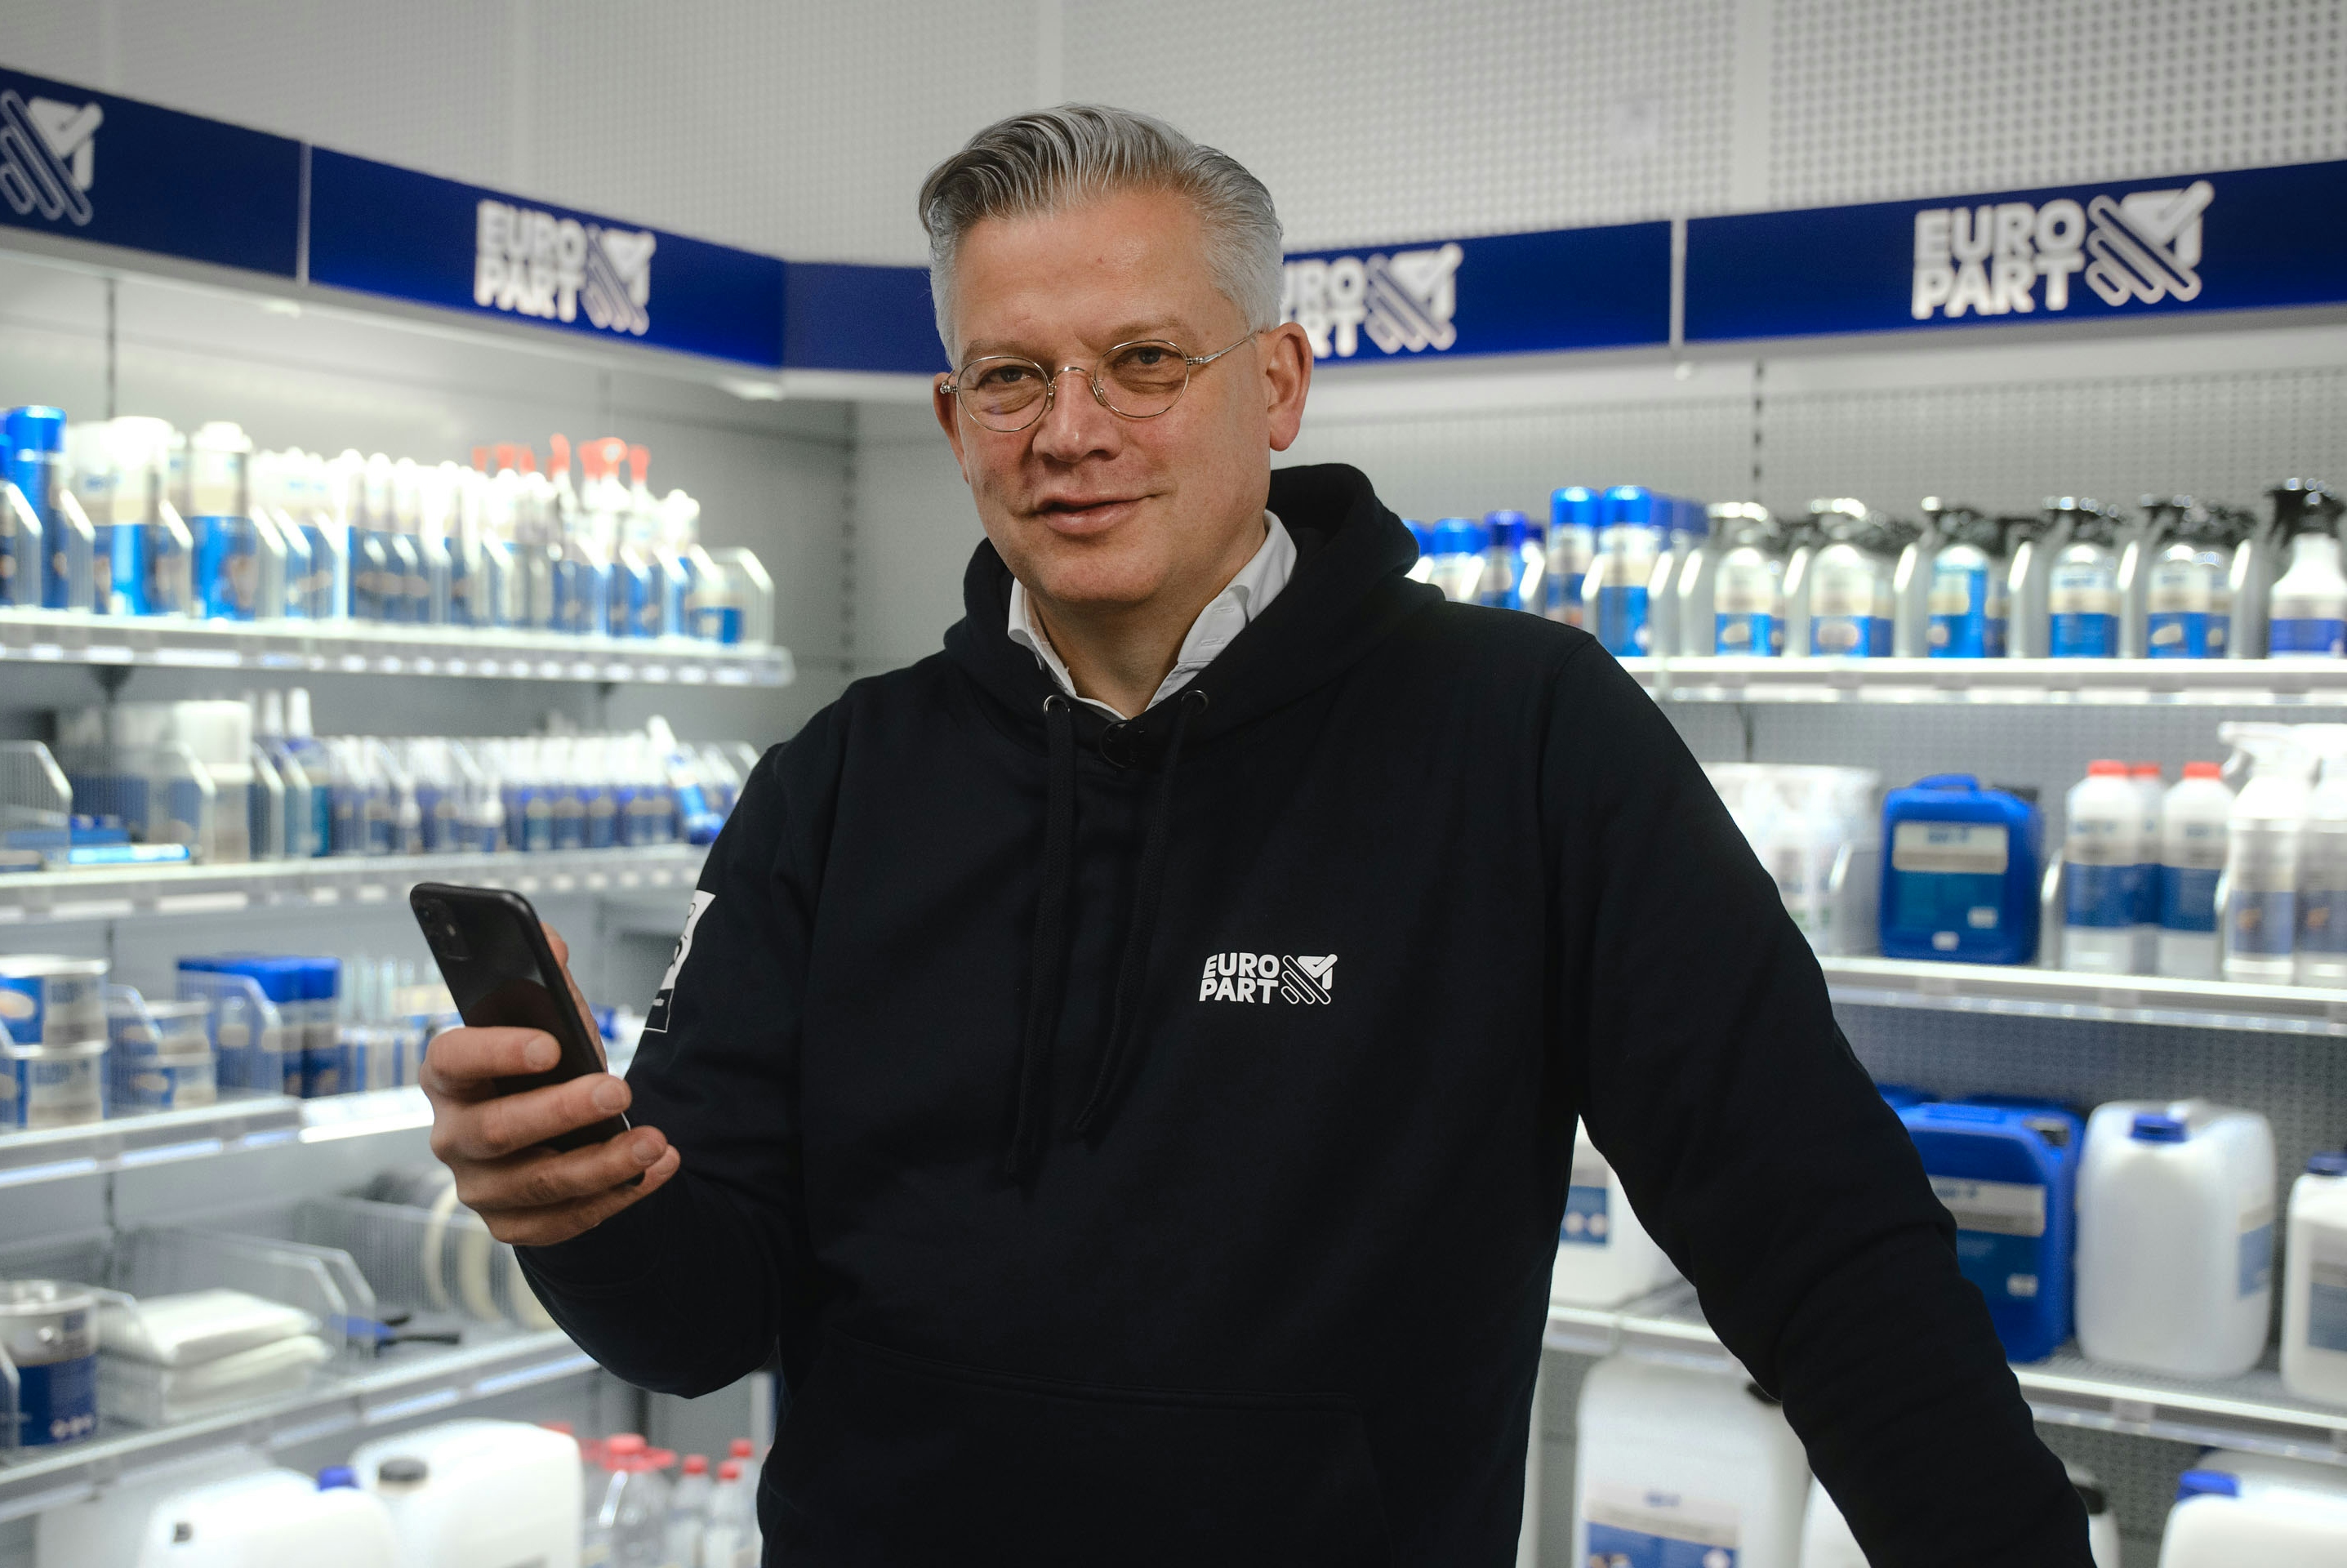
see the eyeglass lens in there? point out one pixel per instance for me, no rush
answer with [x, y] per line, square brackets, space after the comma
[1138, 380]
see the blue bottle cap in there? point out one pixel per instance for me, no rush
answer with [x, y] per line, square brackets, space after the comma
[1572, 506]
[1629, 503]
[2153, 1128]
[337, 1475]
[1458, 535]
[2329, 1162]
[34, 428]
[1508, 529]
[2207, 1483]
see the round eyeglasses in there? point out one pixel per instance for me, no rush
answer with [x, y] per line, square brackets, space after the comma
[1139, 380]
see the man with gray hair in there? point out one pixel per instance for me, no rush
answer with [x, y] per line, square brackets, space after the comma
[1126, 1064]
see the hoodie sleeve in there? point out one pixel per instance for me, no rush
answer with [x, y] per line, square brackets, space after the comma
[1709, 1069]
[700, 1283]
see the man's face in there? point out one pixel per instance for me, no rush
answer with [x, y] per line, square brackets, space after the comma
[1091, 511]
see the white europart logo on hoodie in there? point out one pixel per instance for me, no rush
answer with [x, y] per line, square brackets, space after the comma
[1267, 977]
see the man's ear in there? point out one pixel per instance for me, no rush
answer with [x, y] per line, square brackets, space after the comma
[1287, 378]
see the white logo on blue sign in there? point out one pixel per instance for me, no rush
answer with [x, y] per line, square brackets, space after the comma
[1990, 260]
[48, 156]
[532, 263]
[1403, 301]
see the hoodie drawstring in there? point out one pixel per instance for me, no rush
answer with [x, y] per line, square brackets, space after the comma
[1046, 976]
[1133, 965]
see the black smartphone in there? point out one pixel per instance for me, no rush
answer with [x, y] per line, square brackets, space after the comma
[492, 953]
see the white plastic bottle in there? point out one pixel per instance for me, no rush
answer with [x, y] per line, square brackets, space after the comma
[2192, 829]
[688, 1510]
[2261, 920]
[1675, 1463]
[732, 1539]
[2307, 618]
[1604, 1256]
[2224, 1520]
[2176, 1211]
[2103, 851]
[745, 1452]
[628, 1526]
[2314, 1284]
[2151, 791]
[2321, 958]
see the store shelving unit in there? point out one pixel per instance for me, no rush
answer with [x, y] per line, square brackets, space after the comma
[237, 1124]
[2251, 1411]
[2099, 683]
[119, 893]
[408, 1382]
[55, 637]
[2103, 998]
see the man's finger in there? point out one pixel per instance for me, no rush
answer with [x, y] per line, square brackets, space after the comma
[538, 1181]
[493, 1129]
[463, 1062]
[545, 1227]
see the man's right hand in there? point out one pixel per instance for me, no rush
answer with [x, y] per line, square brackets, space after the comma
[530, 1194]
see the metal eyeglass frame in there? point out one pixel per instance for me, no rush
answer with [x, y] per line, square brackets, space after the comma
[1191, 364]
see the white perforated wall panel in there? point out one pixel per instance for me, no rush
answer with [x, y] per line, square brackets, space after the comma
[1874, 99]
[1383, 119]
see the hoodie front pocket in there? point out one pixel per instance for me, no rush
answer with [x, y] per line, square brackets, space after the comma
[892, 1458]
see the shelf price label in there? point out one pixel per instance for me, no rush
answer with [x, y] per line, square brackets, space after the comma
[93, 166]
[2251, 239]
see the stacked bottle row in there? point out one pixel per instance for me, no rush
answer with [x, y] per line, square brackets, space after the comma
[223, 780]
[1649, 574]
[128, 517]
[1817, 832]
[637, 1517]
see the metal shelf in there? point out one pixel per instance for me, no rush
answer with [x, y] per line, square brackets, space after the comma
[56, 637]
[114, 892]
[410, 1381]
[2094, 682]
[2027, 992]
[161, 1137]
[2251, 1411]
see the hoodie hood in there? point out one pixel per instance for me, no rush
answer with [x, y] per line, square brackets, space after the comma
[1349, 590]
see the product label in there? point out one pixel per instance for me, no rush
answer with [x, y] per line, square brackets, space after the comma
[22, 1011]
[2256, 1250]
[2322, 920]
[2179, 635]
[2307, 636]
[1961, 612]
[1636, 1527]
[1852, 636]
[2187, 897]
[2326, 1294]
[2261, 925]
[2099, 895]
[56, 1091]
[1586, 1219]
[52, 1010]
[2083, 589]
[1999, 1230]
[1743, 633]
[2084, 635]
[1622, 621]
[1976, 849]
[57, 1400]
[1947, 877]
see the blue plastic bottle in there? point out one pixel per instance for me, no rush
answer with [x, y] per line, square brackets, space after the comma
[2008, 1172]
[1961, 872]
[1629, 542]
[1572, 542]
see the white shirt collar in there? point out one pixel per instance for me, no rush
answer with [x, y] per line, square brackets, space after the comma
[1247, 596]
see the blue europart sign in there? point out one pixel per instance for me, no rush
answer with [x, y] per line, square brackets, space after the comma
[1504, 293]
[2252, 238]
[390, 232]
[92, 166]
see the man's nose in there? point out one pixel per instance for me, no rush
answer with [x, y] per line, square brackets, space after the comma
[1076, 424]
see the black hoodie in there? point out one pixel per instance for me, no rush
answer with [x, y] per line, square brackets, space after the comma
[1146, 1142]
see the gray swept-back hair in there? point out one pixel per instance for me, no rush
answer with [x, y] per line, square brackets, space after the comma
[1053, 159]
